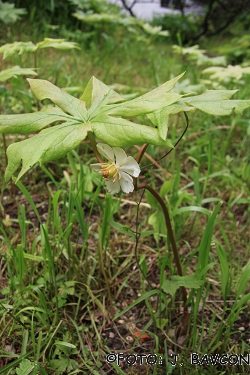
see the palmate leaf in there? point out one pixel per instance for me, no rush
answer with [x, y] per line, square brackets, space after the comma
[15, 71]
[49, 144]
[21, 48]
[227, 74]
[215, 102]
[100, 110]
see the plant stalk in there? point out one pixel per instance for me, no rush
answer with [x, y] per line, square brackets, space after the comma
[170, 233]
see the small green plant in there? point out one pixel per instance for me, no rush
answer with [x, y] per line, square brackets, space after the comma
[198, 55]
[101, 112]
[10, 14]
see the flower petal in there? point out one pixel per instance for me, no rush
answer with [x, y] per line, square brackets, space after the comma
[120, 156]
[131, 167]
[96, 167]
[106, 151]
[113, 187]
[126, 182]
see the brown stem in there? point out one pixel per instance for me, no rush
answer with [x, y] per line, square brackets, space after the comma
[93, 144]
[170, 233]
[141, 152]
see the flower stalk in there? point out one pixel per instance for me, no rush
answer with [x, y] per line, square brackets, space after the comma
[170, 233]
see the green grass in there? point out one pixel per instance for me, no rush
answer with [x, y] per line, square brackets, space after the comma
[75, 286]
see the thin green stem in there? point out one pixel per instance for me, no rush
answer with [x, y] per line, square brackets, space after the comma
[104, 273]
[170, 233]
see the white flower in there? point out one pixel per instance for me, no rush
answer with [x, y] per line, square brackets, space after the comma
[118, 172]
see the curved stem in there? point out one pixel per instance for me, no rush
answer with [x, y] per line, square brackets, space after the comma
[141, 152]
[170, 233]
[176, 143]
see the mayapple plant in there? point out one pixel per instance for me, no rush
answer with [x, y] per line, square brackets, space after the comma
[102, 115]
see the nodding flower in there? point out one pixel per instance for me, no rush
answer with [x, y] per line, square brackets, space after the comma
[119, 171]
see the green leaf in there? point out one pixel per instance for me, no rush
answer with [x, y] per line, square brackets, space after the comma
[190, 281]
[63, 364]
[61, 44]
[160, 118]
[10, 14]
[25, 367]
[122, 228]
[156, 219]
[19, 48]
[97, 94]
[215, 102]
[45, 90]
[149, 102]
[120, 132]
[225, 74]
[195, 53]
[31, 122]
[15, 71]
[154, 30]
[146, 295]
[64, 343]
[49, 144]
[100, 109]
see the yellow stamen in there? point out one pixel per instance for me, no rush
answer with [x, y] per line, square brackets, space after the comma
[109, 171]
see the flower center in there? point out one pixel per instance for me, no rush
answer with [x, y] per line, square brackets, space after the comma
[110, 171]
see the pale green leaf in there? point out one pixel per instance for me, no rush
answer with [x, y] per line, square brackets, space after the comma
[153, 100]
[49, 144]
[25, 367]
[15, 71]
[160, 118]
[96, 18]
[185, 87]
[120, 132]
[122, 228]
[97, 94]
[64, 343]
[227, 74]
[154, 30]
[31, 122]
[43, 89]
[10, 14]
[215, 102]
[197, 54]
[193, 50]
[190, 281]
[19, 48]
[156, 219]
[61, 44]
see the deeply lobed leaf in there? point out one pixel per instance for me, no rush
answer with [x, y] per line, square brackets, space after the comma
[101, 110]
